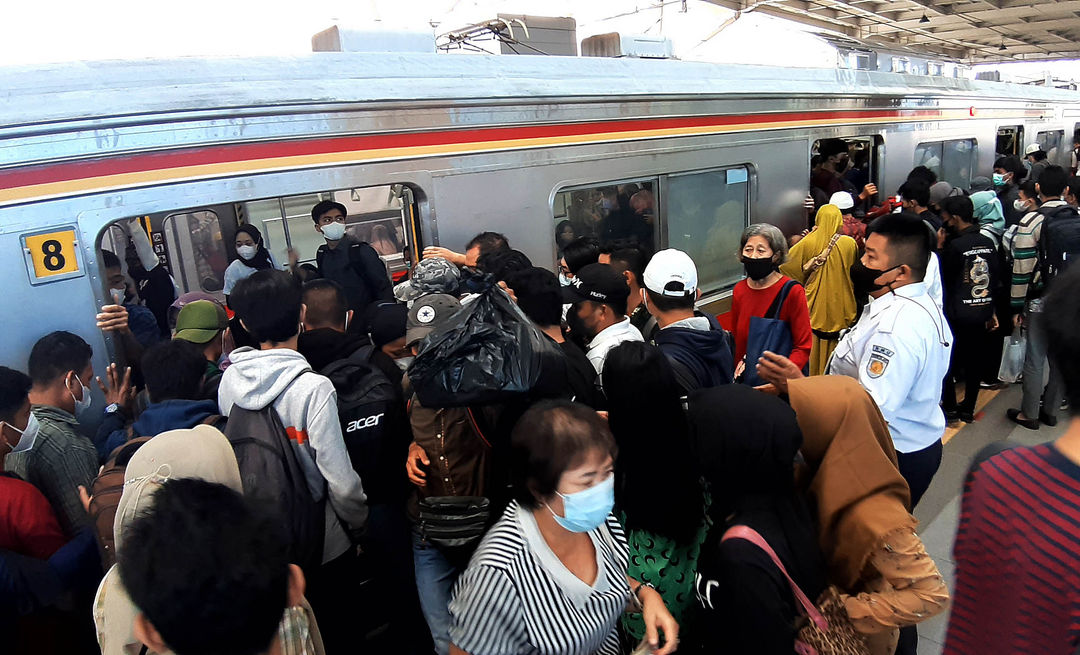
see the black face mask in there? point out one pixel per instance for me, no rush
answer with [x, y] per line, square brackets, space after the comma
[758, 269]
[862, 278]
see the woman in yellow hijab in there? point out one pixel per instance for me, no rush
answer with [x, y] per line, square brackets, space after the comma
[821, 262]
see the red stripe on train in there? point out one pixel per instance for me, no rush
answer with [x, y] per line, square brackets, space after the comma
[49, 173]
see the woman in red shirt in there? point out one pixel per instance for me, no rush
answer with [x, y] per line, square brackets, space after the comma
[762, 250]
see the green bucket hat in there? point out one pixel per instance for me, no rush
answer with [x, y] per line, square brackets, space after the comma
[200, 321]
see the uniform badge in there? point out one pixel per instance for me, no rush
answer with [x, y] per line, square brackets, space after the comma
[877, 365]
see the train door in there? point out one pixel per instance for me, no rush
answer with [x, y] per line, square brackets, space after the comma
[1009, 140]
[1052, 142]
[866, 156]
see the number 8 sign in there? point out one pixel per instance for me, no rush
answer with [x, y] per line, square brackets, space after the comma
[52, 256]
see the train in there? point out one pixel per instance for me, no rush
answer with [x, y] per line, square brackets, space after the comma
[430, 149]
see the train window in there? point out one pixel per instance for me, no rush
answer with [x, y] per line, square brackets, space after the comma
[706, 214]
[862, 167]
[953, 161]
[1008, 140]
[609, 212]
[195, 238]
[1051, 143]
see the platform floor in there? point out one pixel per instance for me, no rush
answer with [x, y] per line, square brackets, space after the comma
[939, 510]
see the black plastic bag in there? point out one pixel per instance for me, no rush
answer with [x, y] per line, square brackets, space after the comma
[488, 352]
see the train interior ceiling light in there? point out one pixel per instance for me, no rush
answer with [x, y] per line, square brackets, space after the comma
[971, 31]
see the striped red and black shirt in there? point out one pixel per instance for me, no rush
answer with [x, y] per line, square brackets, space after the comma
[1017, 556]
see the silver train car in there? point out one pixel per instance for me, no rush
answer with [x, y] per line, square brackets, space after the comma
[431, 149]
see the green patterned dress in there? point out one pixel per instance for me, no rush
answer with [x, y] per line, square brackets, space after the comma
[670, 568]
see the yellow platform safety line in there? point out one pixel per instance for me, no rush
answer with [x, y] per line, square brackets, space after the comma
[985, 396]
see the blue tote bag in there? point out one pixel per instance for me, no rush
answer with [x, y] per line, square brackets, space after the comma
[768, 333]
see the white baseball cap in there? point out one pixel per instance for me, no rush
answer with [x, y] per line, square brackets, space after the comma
[1034, 147]
[671, 273]
[842, 199]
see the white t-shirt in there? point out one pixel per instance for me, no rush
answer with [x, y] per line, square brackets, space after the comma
[238, 270]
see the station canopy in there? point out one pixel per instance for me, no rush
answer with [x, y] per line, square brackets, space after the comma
[974, 31]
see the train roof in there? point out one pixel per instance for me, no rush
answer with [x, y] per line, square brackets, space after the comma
[77, 91]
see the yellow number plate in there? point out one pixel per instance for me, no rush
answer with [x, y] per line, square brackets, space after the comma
[52, 254]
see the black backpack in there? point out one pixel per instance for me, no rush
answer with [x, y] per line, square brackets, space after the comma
[273, 477]
[1059, 242]
[373, 421]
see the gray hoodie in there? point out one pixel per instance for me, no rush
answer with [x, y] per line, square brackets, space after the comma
[307, 405]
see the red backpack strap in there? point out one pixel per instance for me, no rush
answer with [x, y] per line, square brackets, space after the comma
[747, 533]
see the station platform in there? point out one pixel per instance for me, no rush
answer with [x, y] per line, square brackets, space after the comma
[939, 510]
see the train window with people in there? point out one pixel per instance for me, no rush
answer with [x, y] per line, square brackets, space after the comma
[953, 161]
[1051, 143]
[609, 212]
[706, 214]
[844, 164]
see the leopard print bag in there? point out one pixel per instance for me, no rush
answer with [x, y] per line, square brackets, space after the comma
[828, 629]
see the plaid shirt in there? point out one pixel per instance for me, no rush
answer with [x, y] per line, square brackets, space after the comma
[60, 461]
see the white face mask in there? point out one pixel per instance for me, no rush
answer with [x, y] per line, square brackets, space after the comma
[28, 435]
[1019, 205]
[563, 280]
[334, 231]
[404, 362]
[247, 252]
[81, 404]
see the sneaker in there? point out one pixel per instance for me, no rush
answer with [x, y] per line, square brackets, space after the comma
[993, 386]
[1029, 423]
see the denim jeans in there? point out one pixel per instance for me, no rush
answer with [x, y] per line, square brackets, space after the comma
[1034, 362]
[435, 578]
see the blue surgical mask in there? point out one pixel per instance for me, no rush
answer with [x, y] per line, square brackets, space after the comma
[586, 510]
[81, 404]
[999, 179]
[27, 435]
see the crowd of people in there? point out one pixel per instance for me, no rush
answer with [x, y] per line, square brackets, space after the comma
[273, 474]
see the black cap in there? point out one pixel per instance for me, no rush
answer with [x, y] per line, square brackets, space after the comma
[598, 283]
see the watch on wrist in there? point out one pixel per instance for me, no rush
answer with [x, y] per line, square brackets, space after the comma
[113, 408]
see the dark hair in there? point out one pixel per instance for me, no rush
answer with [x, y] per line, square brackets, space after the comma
[1038, 155]
[830, 147]
[550, 438]
[261, 259]
[1063, 340]
[488, 242]
[917, 190]
[57, 353]
[816, 160]
[268, 302]
[325, 302]
[326, 205]
[1074, 187]
[581, 252]
[647, 419]
[631, 258]
[1012, 164]
[959, 206]
[909, 240]
[538, 295]
[173, 370]
[14, 389]
[1053, 181]
[210, 573]
[669, 303]
[923, 173]
[501, 263]
[109, 259]
[1027, 187]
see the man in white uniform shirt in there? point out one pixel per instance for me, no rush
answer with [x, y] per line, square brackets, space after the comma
[899, 349]
[599, 294]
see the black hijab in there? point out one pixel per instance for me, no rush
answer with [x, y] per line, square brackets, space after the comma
[746, 442]
[261, 259]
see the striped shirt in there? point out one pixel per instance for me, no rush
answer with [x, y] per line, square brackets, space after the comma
[1017, 556]
[1025, 254]
[517, 597]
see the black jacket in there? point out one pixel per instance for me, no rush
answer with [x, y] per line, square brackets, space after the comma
[364, 277]
[969, 277]
[700, 358]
